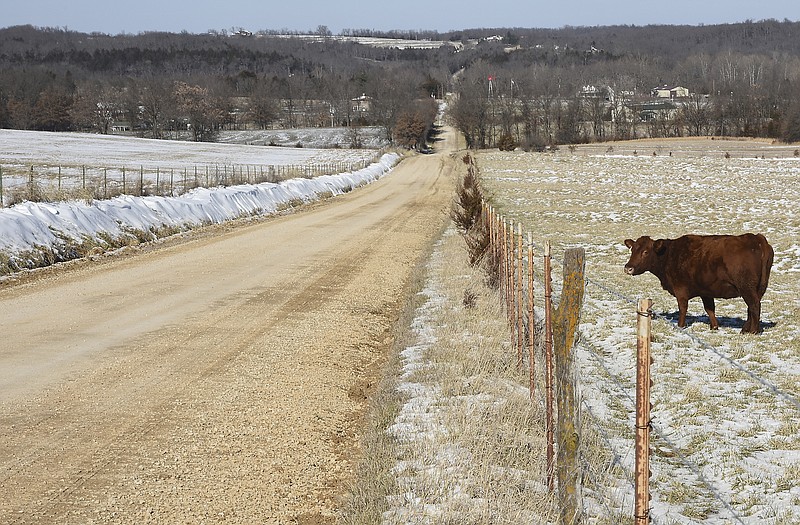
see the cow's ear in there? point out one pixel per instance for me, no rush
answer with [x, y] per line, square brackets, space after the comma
[629, 243]
[659, 246]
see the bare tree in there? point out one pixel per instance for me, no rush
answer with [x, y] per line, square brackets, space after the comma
[470, 111]
[391, 95]
[697, 114]
[790, 130]
[203, 113]
[155, 102]
[96, 107]
[264, 108]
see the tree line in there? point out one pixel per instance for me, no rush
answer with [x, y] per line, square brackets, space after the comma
[587, 84]
[509, 87]
[161, 85]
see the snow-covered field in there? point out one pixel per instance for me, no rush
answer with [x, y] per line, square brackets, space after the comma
[57, 160]
[726, 416]
[369, 137]
[31, 233]
[393, 43]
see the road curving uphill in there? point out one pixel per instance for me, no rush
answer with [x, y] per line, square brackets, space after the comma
[218, 379]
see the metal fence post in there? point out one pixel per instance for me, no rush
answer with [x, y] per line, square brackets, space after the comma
[520, 305]
[548, 374]
[531, 318]
[643, 384]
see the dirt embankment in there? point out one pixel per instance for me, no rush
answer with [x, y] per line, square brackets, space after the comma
[214, 380]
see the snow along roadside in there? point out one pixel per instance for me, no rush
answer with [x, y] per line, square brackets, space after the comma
[36, 226]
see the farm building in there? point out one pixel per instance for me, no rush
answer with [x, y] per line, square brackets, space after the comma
[669, 92]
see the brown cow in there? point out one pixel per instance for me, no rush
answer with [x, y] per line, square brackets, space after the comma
[707, 266]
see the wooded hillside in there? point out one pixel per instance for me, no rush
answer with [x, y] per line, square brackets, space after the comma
[529, 87]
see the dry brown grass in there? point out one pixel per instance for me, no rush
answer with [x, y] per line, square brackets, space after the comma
[463, 444]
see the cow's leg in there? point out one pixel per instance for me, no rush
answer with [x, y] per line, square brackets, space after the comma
[753, 323]
[683, 306]
[708, 304]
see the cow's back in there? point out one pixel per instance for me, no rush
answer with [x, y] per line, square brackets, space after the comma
[723, 266]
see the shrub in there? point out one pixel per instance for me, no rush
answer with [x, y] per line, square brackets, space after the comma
[467, 214]
[535, 142]
[467, 207]
[507, 143]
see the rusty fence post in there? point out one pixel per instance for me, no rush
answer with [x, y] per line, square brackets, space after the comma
[511, 280]
[507, 267]
[504, 259]
[643, 384]
[531, 319]
[492, 246]
[548, 363]
[496, 244]
[520, 305]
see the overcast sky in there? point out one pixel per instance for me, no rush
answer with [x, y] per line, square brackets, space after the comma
[199, 16]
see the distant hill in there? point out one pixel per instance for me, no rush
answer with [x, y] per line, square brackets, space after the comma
[158, 84]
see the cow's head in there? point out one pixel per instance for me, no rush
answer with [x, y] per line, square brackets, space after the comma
[644, 253]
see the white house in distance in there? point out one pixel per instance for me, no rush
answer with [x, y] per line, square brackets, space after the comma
[362, 104]
[669, 92]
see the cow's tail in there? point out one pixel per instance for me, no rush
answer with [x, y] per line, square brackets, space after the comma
[767, 256]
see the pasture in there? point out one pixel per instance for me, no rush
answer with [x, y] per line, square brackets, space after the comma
[726, 415]
[54, 166]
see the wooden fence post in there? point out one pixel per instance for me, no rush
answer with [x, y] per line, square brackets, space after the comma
[30, 185]
[565, 326]
[643, 383]
[548, 373]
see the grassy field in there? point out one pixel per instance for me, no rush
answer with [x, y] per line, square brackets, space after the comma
[726, 446]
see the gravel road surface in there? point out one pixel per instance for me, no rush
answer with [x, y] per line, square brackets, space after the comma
[216, 378]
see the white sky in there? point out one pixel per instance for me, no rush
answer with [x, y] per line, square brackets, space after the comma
[198, 16]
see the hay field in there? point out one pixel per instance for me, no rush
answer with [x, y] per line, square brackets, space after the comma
[726, 416]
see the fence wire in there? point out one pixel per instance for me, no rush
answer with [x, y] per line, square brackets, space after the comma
[707, 346]
[617, 459]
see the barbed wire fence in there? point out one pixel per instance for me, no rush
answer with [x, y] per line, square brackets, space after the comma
[53, 183]
[520, 279]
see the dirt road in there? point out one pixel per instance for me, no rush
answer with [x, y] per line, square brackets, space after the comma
[215, 380]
